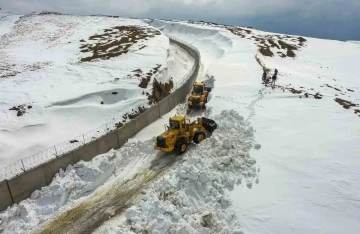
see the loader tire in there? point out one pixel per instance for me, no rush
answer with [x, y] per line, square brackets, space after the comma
[209, 124]
[198, 137]
[181, 147]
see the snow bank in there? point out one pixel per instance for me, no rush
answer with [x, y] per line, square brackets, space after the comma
[213, 43]
[67, 187]
[191, 194]
[192, 198]
[75, 184]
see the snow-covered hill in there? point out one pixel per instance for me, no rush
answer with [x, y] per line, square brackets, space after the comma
[354, 42]
[55, 84]
[301, 178]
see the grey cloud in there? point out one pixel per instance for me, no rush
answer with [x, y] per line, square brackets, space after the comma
[215, 8]
[282, 12]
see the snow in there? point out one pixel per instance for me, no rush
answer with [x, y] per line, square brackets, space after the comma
[354, 42]
[196, 189]
[309, 147]
[72, 186]
[308, 154]
[306, 149]
[64, 94]
[80, 181]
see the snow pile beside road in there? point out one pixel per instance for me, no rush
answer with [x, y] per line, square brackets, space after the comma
[73, 185]
[67, 187]
[192, 198]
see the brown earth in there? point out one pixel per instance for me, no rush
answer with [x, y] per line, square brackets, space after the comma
[346, 104]
[115, 41]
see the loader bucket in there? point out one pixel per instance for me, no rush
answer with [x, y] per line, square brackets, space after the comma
[209, 124]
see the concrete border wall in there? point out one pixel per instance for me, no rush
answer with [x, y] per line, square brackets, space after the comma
[108, 142]
[5, 195]
[126, 132]
[164, 106]
[153, 114]
[141, 122]
[20, 187]
[86, 152]
[52, 167]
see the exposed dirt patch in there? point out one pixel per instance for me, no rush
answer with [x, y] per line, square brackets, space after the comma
[266, 51]
[281, 54]
[119, 125]
[285, 45]
[145, 78]
[301, 39]
[290, 53]
[333, 87]
[137, 112]
[159, 91]
[144, 82]
[318, 96]
[21, 109]
[273, 44]
[294, 91]
[116, 41]
[346, 104]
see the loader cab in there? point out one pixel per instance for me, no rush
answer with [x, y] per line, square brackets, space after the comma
[177, 122]
[198, 89]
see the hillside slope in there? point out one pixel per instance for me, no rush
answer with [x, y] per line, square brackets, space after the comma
[284, 159]
[63, 76]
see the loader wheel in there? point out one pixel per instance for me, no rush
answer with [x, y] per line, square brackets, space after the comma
[180, 147]
[199, 137]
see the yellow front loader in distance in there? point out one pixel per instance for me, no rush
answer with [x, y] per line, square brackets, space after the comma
[199, 95]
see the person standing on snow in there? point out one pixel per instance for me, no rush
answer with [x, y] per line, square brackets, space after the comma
[264, 77]
[274, 77]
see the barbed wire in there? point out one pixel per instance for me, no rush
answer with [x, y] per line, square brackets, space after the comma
[65, 147]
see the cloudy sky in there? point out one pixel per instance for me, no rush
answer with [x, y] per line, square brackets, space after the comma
[333, 19]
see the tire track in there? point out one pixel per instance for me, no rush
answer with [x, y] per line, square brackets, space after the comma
[87, 216]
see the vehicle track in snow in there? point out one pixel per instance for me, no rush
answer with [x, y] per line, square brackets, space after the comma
[113, 200]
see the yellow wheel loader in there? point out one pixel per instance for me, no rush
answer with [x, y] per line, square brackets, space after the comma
[181, 132]
[199, 95]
